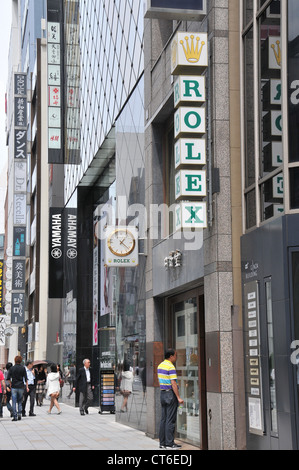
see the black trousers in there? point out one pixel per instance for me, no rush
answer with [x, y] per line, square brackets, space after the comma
[169, 406]
[30, 394]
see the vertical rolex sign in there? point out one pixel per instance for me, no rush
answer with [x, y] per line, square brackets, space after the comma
[188, 63]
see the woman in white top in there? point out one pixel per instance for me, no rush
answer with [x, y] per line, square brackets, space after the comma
[53, 388]
[126, 386]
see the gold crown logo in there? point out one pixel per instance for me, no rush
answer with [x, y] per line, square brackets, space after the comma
[277, 53]
[193, 53]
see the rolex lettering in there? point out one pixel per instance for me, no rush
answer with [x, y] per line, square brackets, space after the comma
[189, 61]
[190, 121]
[190, 152]
[189, 89]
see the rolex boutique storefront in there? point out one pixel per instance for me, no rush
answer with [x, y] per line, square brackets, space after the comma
[180, 296]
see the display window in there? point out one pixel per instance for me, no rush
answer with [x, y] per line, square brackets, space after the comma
[185, 330]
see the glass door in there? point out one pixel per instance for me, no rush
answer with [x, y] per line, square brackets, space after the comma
[186, 335]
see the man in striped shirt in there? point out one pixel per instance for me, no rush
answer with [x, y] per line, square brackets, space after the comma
[170, 399]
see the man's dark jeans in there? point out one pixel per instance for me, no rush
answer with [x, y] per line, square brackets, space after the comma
[17, 399]
[169, 405]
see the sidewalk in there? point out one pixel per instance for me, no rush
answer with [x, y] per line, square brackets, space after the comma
[71, 431]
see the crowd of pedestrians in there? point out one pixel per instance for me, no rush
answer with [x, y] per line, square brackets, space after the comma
[20, 384]
[32, 382]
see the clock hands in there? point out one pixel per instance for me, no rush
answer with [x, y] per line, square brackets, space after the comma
[122, 243]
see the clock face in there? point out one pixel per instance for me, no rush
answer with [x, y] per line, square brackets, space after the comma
[121, 242]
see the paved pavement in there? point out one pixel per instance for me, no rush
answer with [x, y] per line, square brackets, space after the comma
[71, 431]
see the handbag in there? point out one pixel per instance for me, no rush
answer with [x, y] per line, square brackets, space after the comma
[4, 399]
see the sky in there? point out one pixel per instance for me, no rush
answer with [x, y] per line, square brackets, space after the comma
[5, 25]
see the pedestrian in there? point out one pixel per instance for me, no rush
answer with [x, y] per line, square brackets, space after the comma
[2, 392]
[170, 399]
[53, 388]
[17, 378]
[61, 379]
[41, 378]
[8, 389]
[71, 379]
[126, 386]
[84, 385]
[31, 389]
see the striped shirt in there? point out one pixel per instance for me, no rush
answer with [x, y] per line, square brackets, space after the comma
[166, 373]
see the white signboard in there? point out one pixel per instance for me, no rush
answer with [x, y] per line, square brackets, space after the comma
[189, 52]
[20, 177]
[189, 121]
[20, 209]
[191, 215]
[189, 88]
[190, 184]
[274, 53]
[190, 152]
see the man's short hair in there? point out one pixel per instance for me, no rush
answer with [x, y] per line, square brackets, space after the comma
[169, 352]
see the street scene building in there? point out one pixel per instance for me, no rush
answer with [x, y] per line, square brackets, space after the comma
[152, 204]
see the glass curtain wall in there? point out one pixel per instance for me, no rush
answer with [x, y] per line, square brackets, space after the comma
[111, 62]
[129, 283]
[263, 118]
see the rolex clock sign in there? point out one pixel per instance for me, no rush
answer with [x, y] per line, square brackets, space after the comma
[121, 246]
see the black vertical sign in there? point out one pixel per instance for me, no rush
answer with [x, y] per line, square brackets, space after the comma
[70, 250]
[56, 249]
[19, 241]
[293, 79]
[62, 252]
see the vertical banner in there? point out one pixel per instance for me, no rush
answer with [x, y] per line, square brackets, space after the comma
[18, 309]
[19, 199]
[64, 82]
[72, 76]
[95, 291]
[62, 252]
[293, 78]
[56, 248]
[70, 250]
[55, 84]
[1, 287]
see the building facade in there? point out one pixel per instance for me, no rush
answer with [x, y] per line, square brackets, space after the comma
[177, 126]
[194, 305]
[269, 245]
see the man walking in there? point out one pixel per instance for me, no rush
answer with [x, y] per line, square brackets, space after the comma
[31, 389]
[17, 378]
[85, 385]
[170, 399]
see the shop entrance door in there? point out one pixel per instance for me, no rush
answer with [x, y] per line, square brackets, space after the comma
[185, 331]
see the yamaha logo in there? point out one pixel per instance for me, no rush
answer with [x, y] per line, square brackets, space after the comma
[56, 253]
[72, 254]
